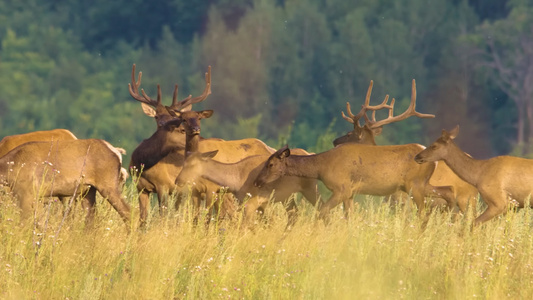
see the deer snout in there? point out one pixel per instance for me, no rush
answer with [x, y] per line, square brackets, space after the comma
[258, 183]
[195, 130]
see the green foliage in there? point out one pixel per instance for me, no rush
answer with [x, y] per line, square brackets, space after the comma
[282, 70]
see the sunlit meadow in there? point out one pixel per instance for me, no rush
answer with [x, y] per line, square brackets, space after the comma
[379, 253]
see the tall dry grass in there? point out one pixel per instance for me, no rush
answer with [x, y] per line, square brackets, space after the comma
[378, 254]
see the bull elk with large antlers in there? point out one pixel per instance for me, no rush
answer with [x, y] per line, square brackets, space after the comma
[164, 166]
[65, 168]
[350, 169]
[464, 194]
[499, 179]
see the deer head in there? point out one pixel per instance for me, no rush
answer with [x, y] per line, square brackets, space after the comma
[274, 167]
[173, 122]
[439, 149]
[366, 133]
[161, 113]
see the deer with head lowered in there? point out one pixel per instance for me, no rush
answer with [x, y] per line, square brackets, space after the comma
[499, 179]
[9, 143]
[239, 177]
[65, 168]
[464, 194]
[161, 156]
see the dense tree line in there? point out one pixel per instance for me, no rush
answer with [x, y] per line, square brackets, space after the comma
[282, 70]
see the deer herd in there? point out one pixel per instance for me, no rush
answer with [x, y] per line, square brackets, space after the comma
[176, 159]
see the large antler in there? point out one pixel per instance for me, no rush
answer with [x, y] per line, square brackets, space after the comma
[134, 90]
[178, 106]
[372, 123]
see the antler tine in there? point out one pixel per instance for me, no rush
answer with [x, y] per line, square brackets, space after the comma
[375, 108]
[411, 111]
[152, 101]
[349, 112]
[175, 96]
[190, 100]
[354, 119]
[134, 90]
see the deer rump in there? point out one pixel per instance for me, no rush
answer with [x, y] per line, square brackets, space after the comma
[62, 168]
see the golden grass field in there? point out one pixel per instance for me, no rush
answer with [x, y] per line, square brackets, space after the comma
[380, 253]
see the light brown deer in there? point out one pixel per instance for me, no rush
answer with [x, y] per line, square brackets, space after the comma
[464, 194]
[239, 178]
[161, 167]
[8, 143]
[499, 179]
[350, 169]
[65, 168]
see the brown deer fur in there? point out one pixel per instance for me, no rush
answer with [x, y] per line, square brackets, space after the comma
[239, 177]
[60, 168]
[464, 194]
[10, 142]
[498, 179]
[350, 169]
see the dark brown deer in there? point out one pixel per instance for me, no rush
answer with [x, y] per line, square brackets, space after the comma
[65, 168]
[160, 157]
[165, 166]
[499, 179]
[464, 194]
[350, 169]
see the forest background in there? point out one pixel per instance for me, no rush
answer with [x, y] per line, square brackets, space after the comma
[282, 70]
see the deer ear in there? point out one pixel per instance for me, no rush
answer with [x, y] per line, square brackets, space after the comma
[210, 154]
[187, 108]
[173, 113]
[377, 131]
[148, 110]
[285, 152]
[206, 113]
[454, 132]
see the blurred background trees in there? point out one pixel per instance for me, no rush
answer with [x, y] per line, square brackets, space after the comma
[282, 70]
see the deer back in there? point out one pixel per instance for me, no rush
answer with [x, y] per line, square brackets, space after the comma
[8, 143]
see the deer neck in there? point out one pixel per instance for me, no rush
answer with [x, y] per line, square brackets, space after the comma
[191, 143]
[303, 166]
[466, 167]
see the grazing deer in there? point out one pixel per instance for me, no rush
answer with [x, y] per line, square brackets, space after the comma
[164, 166]
[464, 194]
[9, 143]
[499, 179]
[239, 177]
[350, 169]
[65, 168]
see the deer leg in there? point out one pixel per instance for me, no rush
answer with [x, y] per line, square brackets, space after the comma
[162, 196]
[88, 204]
[336, 198]
[467, 201]
[310, 192]
[445, 192]
[250, 210]
[144, 203]
[114, 197]
[496, 205]
[292, 214]
[347, 205]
